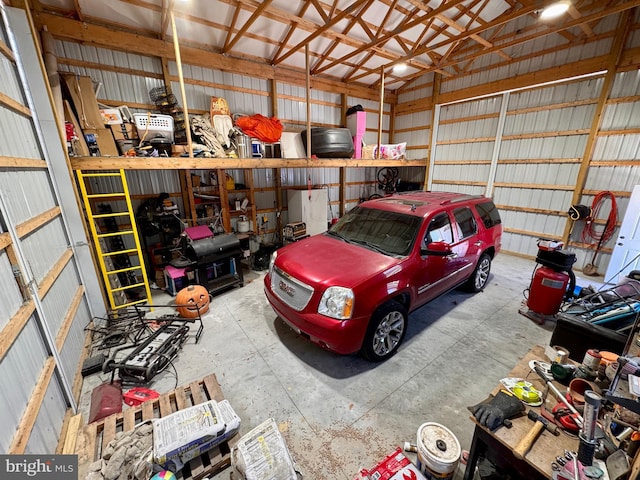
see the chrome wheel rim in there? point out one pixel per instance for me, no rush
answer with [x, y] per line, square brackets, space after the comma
[482, 273]
[388, 334]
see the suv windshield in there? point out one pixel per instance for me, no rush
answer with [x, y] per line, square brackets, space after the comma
[387, 232]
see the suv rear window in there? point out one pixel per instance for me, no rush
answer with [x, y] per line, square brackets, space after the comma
[489, 214]
[466, 222]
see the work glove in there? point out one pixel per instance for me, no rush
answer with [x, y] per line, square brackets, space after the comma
[496, 411]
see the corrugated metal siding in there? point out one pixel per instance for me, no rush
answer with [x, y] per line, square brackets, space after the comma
[26, 193]
[49, 421]
[42, 259]
[483, 74]
[58, 298]
[9, 81]
[620, 149]
[10, 297]
[74, 343]
[19, 370]
[16, 126]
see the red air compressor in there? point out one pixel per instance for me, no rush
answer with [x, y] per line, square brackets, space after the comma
[550, 281]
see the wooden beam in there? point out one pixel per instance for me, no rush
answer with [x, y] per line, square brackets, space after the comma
[403, 27]
[502, 19]
[5, 240]
[12, 329]
[18, 162]
[254, 16]
[435, 99]
[534, 186]
[164, 21]
[89, 34]
[320, 30]
[11, 104]
[36, 222]
[530, 233]
[63, 332]
[581, 67]
[624, 26]
[28, 420]
[6, 51]
[182, 163]
[47, 282]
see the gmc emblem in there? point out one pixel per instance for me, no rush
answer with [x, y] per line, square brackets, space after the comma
[288, 289]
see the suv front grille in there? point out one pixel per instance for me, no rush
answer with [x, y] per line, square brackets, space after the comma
[290, 290]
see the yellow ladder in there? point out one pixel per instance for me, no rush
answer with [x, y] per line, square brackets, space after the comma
[116, 290]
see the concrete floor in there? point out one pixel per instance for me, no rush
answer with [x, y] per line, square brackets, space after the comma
[339, 414]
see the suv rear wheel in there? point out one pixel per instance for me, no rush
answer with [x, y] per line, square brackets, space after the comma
[480, 276]
[387, 328]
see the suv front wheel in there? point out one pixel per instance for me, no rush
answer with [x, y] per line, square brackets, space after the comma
[387, 328]
[480, 276]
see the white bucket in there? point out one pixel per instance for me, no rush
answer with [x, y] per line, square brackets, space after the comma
[438, 451]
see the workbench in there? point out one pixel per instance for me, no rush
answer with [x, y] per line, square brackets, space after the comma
[498, 445]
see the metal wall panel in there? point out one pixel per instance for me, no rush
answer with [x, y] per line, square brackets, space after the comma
[482, 74]
[49, 421]
[19, 370]
[26, 193]
[74, 342]
[10, 297]
[17, 127]
[9, 81]
[40, 260]
[56, 302]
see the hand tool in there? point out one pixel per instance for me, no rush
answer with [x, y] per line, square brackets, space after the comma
[578, 418]
[527, 441]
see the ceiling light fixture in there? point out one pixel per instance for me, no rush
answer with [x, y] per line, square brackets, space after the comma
[555, 9]
[399, 67]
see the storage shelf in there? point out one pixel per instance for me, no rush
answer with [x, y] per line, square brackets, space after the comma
[186, 163]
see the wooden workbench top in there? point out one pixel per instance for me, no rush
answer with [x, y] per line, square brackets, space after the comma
[547, 446]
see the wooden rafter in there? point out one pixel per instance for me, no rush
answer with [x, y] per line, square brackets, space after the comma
[399, 29]
[292, 28]
[320, 10]
[575, 14]
[371, 37]
[335, 43]
[76, 5]
[347, 11]
[256, 14]
[167, 6]
[523, 38]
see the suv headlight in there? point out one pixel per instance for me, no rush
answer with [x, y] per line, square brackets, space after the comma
[272, 260]
[337, 302]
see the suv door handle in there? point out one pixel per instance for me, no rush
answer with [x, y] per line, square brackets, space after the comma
[478, 243]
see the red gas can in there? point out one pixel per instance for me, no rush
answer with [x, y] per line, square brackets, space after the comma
[547, 290]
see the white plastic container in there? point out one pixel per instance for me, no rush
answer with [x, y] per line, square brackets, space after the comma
[438, 451]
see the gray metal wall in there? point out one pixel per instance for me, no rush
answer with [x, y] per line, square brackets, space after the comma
[41, 325]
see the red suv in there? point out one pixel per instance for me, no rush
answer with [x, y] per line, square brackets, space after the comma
[351, 289]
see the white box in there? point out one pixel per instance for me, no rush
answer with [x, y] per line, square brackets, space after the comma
[310, 207]
[186, 434]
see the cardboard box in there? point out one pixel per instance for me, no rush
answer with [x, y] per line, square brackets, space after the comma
[186, 434]
[106, 144]
[129, 128]
[84, 101]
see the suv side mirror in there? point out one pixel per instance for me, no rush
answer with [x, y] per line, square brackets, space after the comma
[439, 249]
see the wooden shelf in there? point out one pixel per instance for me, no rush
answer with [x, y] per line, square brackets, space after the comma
[186, 163]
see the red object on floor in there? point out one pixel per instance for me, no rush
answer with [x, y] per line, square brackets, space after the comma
[106, 399]
[138, 395]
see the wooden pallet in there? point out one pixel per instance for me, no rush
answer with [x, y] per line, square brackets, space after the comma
[92, 439]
